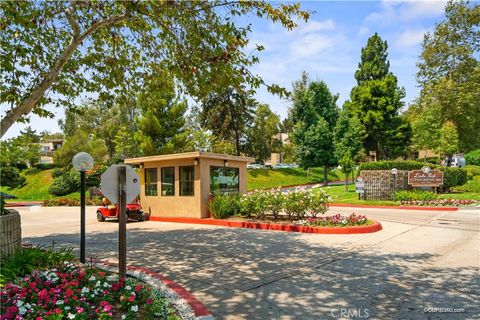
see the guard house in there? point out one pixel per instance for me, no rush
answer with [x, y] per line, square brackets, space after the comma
[179, 185]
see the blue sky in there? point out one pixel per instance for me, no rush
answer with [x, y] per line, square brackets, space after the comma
[328, 48]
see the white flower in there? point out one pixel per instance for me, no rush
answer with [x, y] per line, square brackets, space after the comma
[128, 288]
[92, 278]
[98, 284]
[71, 316]
[67, 308]
[124, 316]
[19, 303]
[22, 310]
[85, 290]
[134, 308]
[59, 302]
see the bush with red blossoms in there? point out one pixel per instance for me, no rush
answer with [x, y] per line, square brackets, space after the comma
[73, 292]
[337, 220]
[442, 203]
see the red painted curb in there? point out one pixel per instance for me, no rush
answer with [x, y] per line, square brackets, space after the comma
[198, 308]
[273, 226]
[394, 207]
[23, 204]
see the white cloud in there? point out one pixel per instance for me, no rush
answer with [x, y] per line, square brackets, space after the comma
[392, 12]
[410, 38]
[363, 31]
[315, 26]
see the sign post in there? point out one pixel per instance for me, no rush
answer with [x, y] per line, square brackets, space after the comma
[360, 187]
[121, 185]
[122, 223]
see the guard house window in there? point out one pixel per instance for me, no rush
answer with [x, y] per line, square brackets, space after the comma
[224, 180]
[151, 182]
[168, 181]
[186, 180]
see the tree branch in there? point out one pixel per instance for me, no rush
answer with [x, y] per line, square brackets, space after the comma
[28, 103]
[71, 20]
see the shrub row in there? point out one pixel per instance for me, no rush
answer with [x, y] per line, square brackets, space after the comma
[66, 182]
[296, 204]
[453, 177]
[67, 202]
[388, 165]
[404, 195]
[470, 186]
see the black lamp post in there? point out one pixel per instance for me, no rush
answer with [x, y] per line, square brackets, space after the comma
[82, 162]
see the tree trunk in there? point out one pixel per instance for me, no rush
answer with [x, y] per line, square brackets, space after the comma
[325, 175]
[237, 143]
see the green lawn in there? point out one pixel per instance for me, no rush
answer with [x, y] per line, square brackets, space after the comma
[340, 196]
[460, 195]
[269, 178]
[36, 188]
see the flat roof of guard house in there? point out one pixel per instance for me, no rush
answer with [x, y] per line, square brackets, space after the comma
[188, 155]
[180, 184]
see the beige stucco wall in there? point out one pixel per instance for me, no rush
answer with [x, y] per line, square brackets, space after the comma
[185, 206]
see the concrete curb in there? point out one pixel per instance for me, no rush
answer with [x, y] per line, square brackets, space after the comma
[201, 312]
[394, 207]
[23, 204]
[273, 226]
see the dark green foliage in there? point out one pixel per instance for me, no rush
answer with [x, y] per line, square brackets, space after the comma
[66, 183]
[376, 101]
[453, 177]
[160, 126]
[45, 166]
[473, 157]
[228, 114]
[470, 186]
[404, 195]
[3, 210]
[388, 165]
[94, 176]
[315, 115]
[24, 260]
[11, 177]
[57, 172]
[265, 125]
[223, 205]
[374, 64]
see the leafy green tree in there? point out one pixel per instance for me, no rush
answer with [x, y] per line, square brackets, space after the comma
[315, 113]
[162, 119]
[376, 101]
[125, 144]
[347, 137]
[228, 115]
[265, 125]
[449, 72]
[80, 141]
[21, 151]
[52, 52]
[448, 140]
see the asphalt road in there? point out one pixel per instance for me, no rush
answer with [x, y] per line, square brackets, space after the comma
[421, 260]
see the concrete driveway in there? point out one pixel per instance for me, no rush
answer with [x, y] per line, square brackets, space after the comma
[421, 259]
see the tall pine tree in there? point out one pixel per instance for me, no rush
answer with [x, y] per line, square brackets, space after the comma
[376, 101]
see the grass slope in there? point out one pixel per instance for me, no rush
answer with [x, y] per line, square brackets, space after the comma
[266, 178]
[36, 188]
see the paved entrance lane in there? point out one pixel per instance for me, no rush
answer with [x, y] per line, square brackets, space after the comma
[250, 274]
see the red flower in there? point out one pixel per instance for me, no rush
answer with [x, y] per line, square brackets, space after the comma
[131, 298]
[138, 287]
[68, 293]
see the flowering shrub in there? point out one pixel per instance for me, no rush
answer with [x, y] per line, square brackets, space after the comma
[404, 195]
[442, 202]
[67, 202]
[296, 204]
[335, 221]
[70, 292]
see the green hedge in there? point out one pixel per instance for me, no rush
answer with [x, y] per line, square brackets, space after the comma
[473, 171]
[453, 177]
[45, 166]
[11, 177]
[473, 157]
[388, 165]
[415, 195]
[470, 186]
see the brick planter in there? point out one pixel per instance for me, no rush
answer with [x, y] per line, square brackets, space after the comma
[10, 232]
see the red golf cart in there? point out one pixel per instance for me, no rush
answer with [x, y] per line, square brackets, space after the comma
[134, 211]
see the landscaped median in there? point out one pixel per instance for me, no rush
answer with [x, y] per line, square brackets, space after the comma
[372, 226]
[298, 210]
